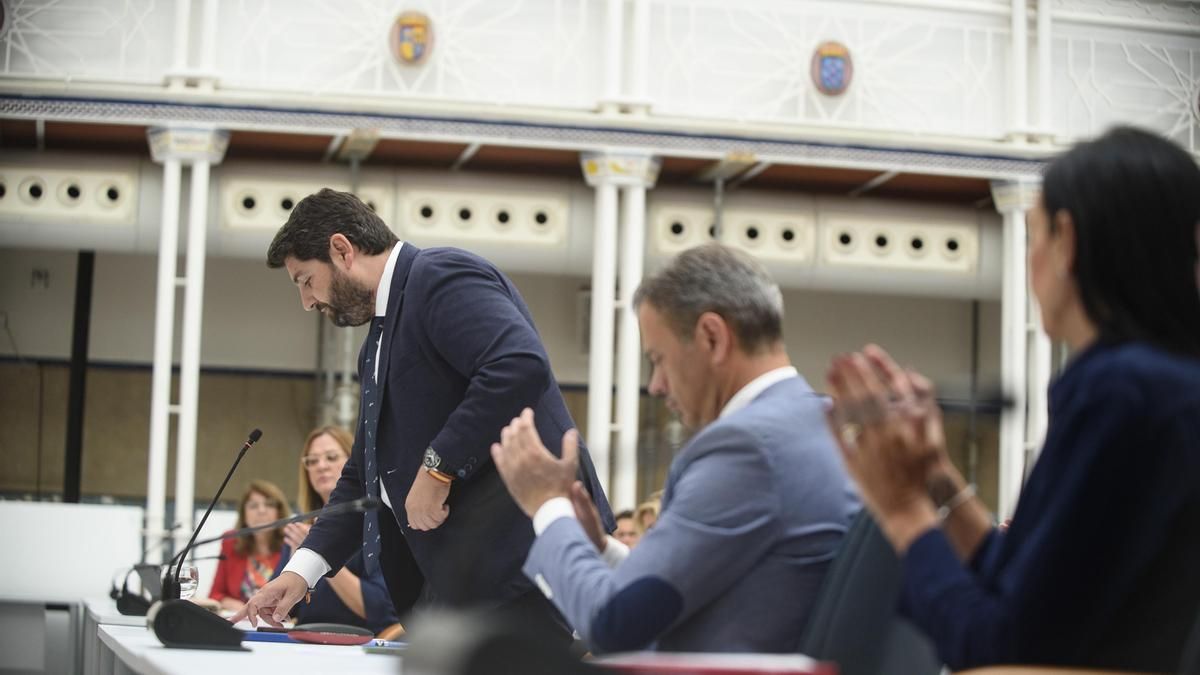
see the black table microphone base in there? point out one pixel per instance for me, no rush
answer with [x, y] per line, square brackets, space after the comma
[181, 624]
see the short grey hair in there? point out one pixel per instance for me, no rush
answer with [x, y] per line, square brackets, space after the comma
[722, 280]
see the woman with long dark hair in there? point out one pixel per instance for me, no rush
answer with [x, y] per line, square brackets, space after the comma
[1098, 566]
[248, 562]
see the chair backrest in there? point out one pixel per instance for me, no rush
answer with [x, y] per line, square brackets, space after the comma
[1191, 652]
[855, 623]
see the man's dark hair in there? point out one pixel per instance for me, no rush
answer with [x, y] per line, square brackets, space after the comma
[627, 513]
[305, 235]
[1134, 198]
[719, 279]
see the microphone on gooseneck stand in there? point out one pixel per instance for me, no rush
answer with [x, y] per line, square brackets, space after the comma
[360, 505]
[180, 623]
[181, 629]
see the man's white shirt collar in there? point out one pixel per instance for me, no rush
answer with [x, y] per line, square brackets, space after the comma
[757, 386]
[385, 284]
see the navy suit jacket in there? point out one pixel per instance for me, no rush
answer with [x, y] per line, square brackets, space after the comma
[1098, 567]
[460, 358]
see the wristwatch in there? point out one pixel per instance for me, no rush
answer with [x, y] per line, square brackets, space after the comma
[431, 462]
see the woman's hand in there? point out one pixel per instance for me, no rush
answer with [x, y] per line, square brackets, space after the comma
[294, 534]
[889, 428]
[232, 604]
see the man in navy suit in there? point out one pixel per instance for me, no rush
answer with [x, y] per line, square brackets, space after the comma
[451, 356]
[755, 504]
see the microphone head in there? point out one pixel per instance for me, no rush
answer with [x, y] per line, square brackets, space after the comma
[254, 436]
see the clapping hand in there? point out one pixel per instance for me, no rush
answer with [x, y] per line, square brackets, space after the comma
[889, 428]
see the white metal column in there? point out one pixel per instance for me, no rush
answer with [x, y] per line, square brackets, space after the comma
[600, 352]
[613, 55]
[183, 15]
[606, 173]
[189, 360]
[1019, 82]
[1013, 199]
[1045, 71]
[174, 147]
[629, 345]
[1040, 369]
[639, 59]
[164, 335]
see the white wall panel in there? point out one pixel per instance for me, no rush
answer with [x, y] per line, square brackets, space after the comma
[125, 41]
[526, 52]
[921, 67]
[914, 70]
[1104, 76]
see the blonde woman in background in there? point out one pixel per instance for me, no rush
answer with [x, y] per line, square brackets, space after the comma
[350, 596]
[646, 513]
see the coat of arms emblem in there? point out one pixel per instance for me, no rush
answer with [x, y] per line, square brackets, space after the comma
[411, 38]
[832, 68]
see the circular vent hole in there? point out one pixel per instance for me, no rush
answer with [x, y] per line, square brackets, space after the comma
[248, 203]
[464, 214]
[286, 203]
[788, 235]
[541, 218]
[502, 217]
[752, 233]
[676, 228]
[881, 241]
[73, 191]
[35, 191]
[952, 245]
[712, 231]
[845, 239]
[427, 212]
[371, 205]
[113, 194]
[917, 243]
[3, 190]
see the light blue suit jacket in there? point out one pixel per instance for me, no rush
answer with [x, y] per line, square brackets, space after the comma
[754, 508]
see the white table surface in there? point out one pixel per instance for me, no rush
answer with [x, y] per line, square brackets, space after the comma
[141, 652]
[104, 611]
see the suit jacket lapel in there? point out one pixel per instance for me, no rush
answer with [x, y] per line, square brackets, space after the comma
[404, 261]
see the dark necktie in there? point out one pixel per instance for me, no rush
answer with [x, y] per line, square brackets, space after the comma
[369, 406]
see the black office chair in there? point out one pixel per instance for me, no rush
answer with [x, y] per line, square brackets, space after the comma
[1191, 652]
[854, 622]
[463, 642]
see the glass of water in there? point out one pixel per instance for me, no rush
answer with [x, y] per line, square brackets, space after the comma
[189, 579]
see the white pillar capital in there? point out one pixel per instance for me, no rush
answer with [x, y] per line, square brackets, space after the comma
[188, 144]
[620, 169]
[1016, 195]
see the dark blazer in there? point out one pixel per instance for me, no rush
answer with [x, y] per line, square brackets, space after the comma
[460, 359]
[1098, 567]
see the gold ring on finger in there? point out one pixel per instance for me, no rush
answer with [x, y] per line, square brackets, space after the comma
[850, 432]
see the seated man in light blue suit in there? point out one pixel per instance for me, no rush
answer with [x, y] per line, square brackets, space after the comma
[755, 504]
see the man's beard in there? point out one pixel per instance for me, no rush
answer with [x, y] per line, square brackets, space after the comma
[349, 305]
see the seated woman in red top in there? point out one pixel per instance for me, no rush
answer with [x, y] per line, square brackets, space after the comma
[247, 562]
